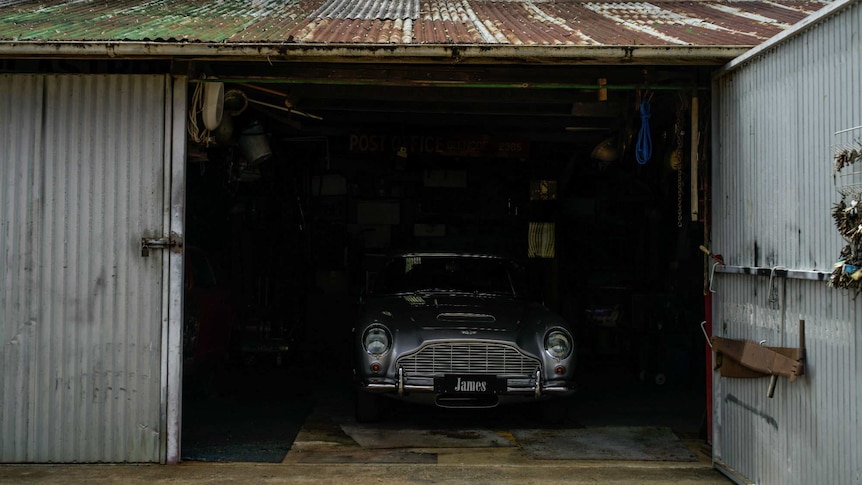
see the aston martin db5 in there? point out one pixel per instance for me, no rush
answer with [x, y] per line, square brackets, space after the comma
[459, 331]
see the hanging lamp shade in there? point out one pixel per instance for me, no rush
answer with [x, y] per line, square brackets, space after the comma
[606, 151]
[213, 105]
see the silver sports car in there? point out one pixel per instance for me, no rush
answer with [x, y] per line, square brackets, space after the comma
[456, 331]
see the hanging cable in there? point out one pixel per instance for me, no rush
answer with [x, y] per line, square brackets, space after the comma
[643, 149]
[197, 134]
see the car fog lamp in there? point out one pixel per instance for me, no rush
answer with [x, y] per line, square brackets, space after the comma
[558, 344]
[376, 340]
[375, 367]
[560, 370]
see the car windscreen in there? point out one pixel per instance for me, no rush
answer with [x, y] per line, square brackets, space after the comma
[449, 273]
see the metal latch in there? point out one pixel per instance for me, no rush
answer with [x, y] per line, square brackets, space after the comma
[173, 243]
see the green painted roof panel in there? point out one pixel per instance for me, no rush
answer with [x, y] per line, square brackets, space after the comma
[469, 22]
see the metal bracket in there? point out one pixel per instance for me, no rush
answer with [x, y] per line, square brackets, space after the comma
[747, 359]
[173, 243]
[718, 261]
[712, 276]
[703, 329]
[773, 292]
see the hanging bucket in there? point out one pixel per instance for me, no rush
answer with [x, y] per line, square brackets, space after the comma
[254, 144]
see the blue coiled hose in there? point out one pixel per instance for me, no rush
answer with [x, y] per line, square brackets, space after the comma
[643, 149]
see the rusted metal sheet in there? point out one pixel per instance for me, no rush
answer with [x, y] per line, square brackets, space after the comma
[468, 22]
[665, 23]
[380, 10]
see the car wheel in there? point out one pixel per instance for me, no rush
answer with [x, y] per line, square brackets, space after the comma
[367, 407]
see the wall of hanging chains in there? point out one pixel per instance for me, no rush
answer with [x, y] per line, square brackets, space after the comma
[679, 131]
[847, 213]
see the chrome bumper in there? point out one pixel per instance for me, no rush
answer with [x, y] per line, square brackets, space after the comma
[402, 387]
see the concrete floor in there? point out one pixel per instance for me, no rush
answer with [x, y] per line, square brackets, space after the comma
[256, 473]
[251, 433]
[293, 437]
[262, 424]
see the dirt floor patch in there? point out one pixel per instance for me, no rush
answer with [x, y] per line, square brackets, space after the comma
[363, 456]
[383, 437]
[641, 443]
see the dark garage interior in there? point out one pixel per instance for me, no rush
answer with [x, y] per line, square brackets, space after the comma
[314, 172]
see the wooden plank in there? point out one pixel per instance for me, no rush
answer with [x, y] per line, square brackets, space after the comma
[746, 359]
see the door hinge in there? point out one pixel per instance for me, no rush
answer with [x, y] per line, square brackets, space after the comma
[173, 243]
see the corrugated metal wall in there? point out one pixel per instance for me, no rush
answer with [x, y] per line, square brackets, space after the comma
[82, 171]
[776, 116]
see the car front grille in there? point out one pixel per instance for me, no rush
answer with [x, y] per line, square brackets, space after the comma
[468, 358]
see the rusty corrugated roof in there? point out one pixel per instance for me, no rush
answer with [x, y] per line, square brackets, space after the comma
[405, 22]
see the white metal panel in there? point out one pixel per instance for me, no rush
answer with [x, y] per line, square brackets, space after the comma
[808, 432]
[172, 338]
[20, 113]
[83, 169]
[776, 113]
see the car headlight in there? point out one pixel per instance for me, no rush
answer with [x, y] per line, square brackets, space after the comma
[376, 340]
[558, 344]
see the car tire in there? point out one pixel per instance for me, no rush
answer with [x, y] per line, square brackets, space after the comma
[367, 407]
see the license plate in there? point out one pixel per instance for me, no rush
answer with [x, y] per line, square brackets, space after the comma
[469, 384]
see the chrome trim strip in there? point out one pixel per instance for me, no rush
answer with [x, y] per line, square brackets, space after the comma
[538, 383]
[373, 386]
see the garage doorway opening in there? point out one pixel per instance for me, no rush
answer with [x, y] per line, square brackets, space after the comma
[308, 179]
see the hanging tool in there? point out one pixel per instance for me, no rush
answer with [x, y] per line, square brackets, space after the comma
[716, 257]
[288, 105]
[289, 110]
[718, 260]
